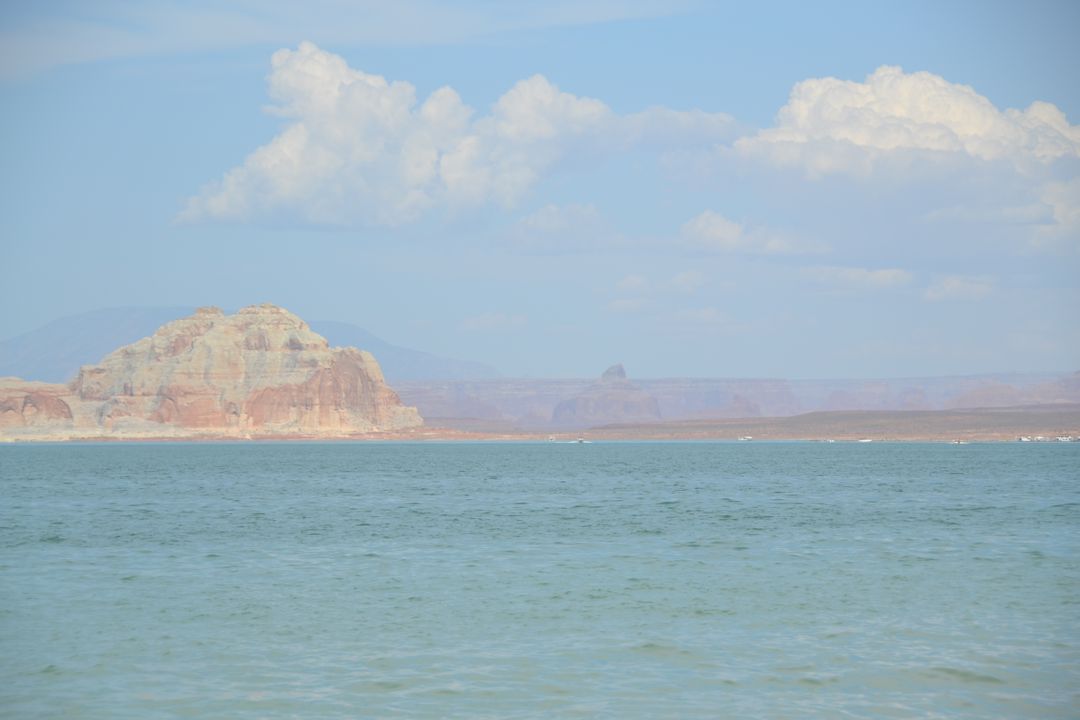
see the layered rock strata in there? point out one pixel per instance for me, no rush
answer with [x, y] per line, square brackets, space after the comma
[612, 399]
[259, 372]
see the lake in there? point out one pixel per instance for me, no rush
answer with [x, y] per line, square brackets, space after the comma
[470, 580]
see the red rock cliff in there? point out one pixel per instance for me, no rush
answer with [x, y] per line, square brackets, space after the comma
[260, 371]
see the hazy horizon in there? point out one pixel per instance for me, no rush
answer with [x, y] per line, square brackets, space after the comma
[820, 192]
[318, 325]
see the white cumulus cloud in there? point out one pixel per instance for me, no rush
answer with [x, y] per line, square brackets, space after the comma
[633, 283]
[958, 287]
[561, 218]
[1063, 200]
[688, 282]
[712, 232]
[857, 278]
[360, 149]
[563, 229]
[832, 125]
[1048, 214]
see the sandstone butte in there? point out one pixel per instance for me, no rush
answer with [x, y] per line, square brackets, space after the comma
[612, 399]
[259, 373]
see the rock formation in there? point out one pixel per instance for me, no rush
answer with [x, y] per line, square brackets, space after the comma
[32, 404]
[529, 403]
[612, 399]
[261, 371]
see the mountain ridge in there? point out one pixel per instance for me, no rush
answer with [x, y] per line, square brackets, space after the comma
[531, 403]
[54, 352]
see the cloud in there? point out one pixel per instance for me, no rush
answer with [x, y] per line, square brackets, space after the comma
[361, 150]
[633, 283]
[702, 316]
[688, 282]
[561, 218]
[712, 232]
[669, 129]
[831, 125]
[856, 278]
[51, 35]
[1063, 201]
[493, 321]
[563, 229]
[639, 295]
[1047, 214]
[958, 287]
[1029, 214]
[627, 305]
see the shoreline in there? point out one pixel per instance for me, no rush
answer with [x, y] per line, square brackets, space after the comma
[1048, 423]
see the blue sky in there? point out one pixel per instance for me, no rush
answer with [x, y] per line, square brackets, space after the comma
[692, 189]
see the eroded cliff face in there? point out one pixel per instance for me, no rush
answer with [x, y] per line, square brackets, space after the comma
[261, 371]
[612, 399]
[33, 405]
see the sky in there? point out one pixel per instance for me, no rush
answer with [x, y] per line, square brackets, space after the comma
[772, 189]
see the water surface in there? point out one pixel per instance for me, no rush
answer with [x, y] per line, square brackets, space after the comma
[681, 580]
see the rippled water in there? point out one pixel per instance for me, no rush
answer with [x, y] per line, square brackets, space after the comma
[650, 580]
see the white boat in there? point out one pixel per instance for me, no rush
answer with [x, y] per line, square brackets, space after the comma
[867, 440]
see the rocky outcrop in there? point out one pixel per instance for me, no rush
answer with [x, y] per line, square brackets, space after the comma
[32, 404]
[54, 352]
[998, 394]
[613, 399]
[261, 371]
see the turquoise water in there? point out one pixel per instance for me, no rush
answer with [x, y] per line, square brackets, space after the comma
[653, 580]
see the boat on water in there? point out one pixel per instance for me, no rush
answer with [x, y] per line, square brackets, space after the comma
[867, 440]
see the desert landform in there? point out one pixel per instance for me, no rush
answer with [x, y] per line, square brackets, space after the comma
[263, 373]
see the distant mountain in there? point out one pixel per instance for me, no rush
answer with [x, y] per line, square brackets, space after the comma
[399, 363]
[55, 352]
[566, 403]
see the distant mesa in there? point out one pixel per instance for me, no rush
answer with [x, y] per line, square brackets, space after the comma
[614, 373]
[611, 400]
[261, 371]
[543, 405]
[400, 363]
[448, 393]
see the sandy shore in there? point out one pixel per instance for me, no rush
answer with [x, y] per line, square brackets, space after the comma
[969, 425]
[983, 424]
